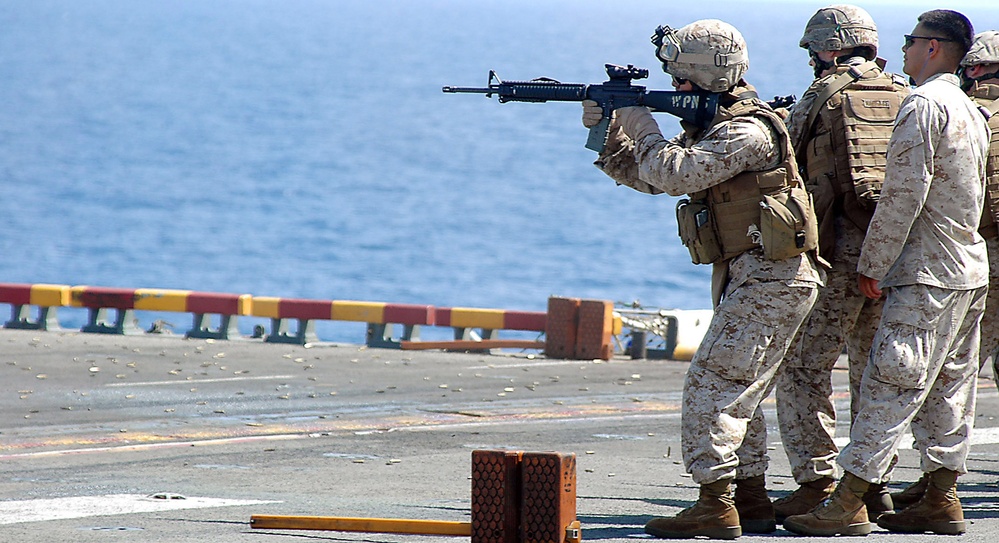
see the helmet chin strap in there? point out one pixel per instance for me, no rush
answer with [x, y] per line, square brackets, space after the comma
[819, 65]
[968, 82]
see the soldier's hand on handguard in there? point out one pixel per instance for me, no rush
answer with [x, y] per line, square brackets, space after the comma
[637, 122]
[592, 113]
[869, 287]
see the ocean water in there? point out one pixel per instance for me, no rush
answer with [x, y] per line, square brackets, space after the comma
[304, 148]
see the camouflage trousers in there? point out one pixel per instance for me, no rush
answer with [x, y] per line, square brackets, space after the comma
[990, 320]
[923, 371]
[723, 432]
[805, 409]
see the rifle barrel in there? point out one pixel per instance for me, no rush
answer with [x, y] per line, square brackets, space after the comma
[476, 90]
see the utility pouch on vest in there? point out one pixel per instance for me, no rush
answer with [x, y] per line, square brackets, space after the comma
[868, 119]
[992, 166]
[787, 224]
[697, 231]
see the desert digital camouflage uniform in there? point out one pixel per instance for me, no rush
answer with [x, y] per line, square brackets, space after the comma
[989, 347]
[842, 314]
[924, 249]
[723, 431]
[986, 96]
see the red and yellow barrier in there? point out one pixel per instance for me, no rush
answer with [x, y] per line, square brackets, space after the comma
[98, 300]
[463, 318]
[378, 315]
[47, 298]
[582, 330]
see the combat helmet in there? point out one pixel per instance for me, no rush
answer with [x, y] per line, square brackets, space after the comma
[984, 50]
[840, 27]
[710, 53]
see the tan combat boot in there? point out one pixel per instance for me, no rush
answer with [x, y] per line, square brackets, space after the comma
[756, 513]
[938, 511]
[910, 494]
[878, 501]
[804, 499]
[844, 513]
[714, 516]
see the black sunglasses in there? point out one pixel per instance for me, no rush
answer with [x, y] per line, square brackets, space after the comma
[910, 39]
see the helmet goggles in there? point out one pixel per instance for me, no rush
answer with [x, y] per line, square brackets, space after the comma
[668, 47]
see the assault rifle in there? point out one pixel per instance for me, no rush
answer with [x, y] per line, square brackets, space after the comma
[782, 101]
[697, 108]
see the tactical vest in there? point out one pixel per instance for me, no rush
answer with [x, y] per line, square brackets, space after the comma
[846, 140]
[987, 98]
[763, 208]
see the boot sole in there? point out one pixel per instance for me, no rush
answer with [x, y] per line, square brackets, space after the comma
[767, 526]
[731, 532]
[956, 527]
[861, 528]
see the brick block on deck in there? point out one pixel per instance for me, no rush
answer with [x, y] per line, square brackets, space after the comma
[579, 329]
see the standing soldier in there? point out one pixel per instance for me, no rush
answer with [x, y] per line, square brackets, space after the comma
[923, 249]
[840, 130]
[741, 179]
[980, 79]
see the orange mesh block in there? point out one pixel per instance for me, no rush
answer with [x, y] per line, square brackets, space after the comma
[496, 496]
[596, 325]
[561, 327]
[548, 499]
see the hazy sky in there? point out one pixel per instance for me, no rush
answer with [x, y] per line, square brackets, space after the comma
[928, 4]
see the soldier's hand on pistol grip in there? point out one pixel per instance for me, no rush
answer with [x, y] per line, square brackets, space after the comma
[592, 113]
[637, 122]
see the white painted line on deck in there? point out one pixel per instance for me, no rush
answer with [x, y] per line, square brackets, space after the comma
[539, 364]
[13, 512]
[523, 421]
[979, 436]
[188, 382]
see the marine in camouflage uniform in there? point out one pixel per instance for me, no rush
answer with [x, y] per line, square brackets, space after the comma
[980, 79]
[840, 130]
[924, 250]
[760, 302]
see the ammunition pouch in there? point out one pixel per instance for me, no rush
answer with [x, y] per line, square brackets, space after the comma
[783, 223]
[788, 226]
[697, 231]
[987, 97]
[868, 118]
